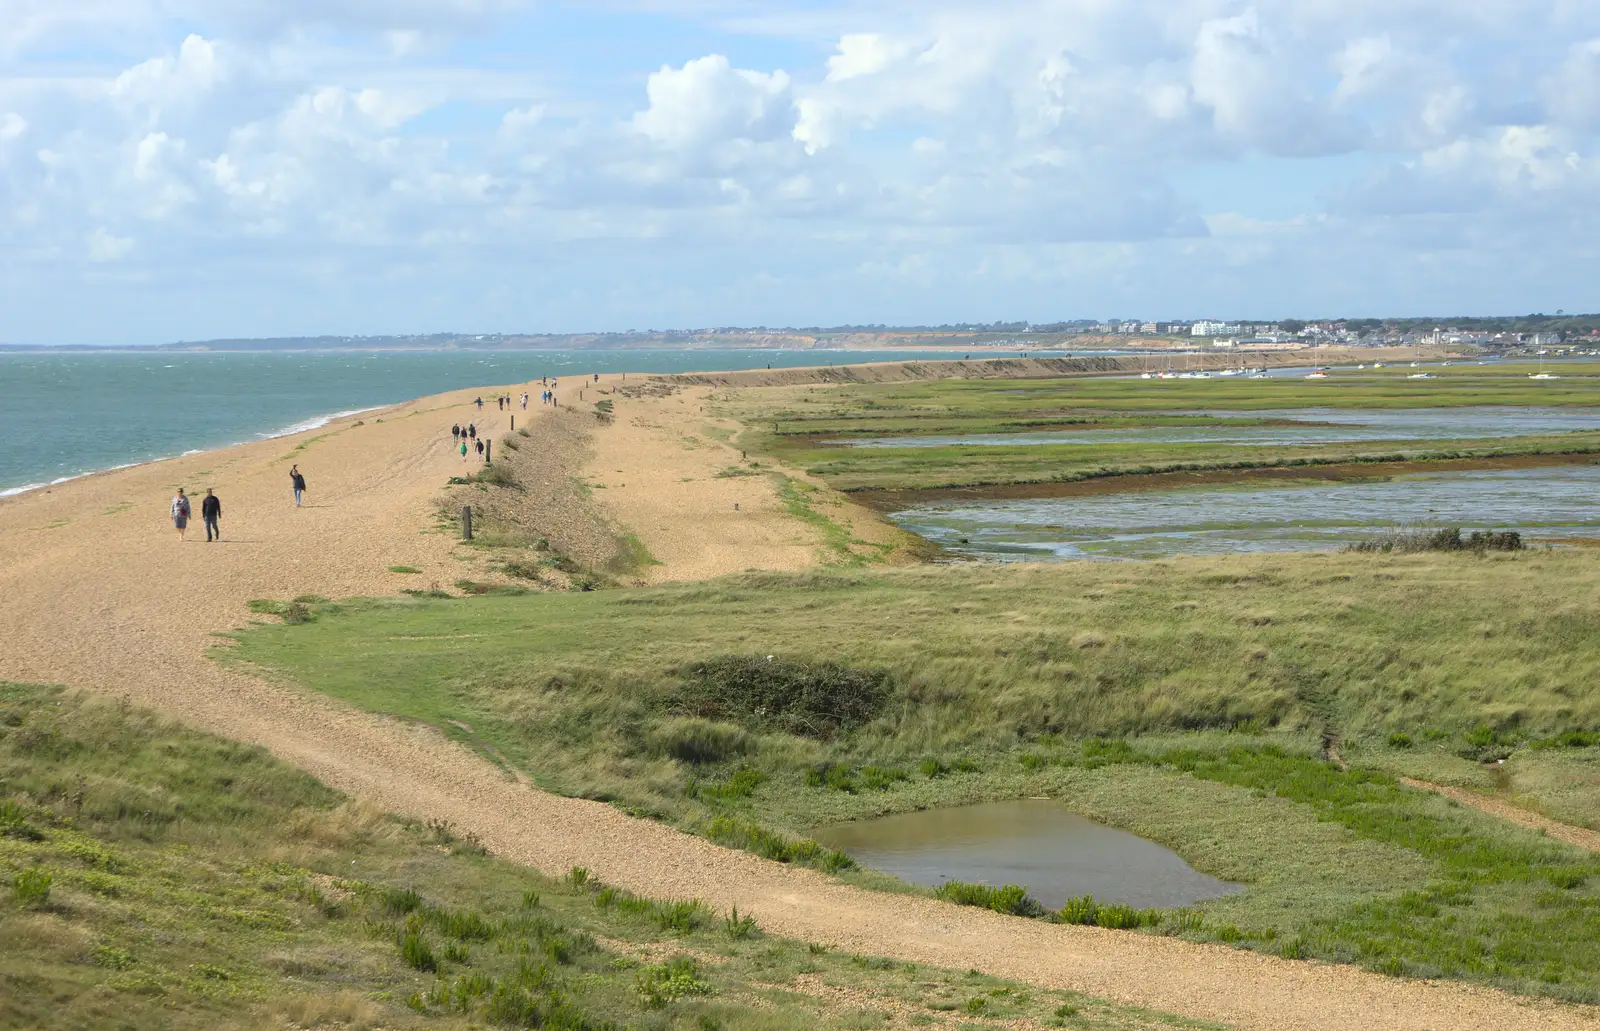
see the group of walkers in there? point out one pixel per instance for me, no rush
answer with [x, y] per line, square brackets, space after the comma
[467, 439]
[211, 507]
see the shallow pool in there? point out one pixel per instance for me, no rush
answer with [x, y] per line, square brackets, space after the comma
[1313, 426]
[1040, 844]
[1551, 502]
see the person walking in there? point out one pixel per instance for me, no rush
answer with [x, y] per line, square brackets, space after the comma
[180, 512]
[480, 449]
[455, 432]
[472, 430]
[298, 482]
[480, 404]
[463, 447]
[211, 512]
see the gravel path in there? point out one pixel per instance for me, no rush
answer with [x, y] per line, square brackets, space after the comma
[96, 591]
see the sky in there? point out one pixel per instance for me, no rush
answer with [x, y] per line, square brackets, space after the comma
[183, 170]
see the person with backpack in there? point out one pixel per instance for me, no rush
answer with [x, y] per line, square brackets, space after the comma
[211, 512]
[455, 432]
[180, 512]
[298, 482]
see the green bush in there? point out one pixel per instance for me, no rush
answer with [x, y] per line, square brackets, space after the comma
[1117, 916]
[416, 953]
[1011, 899]
[32, 887]
[1399, 740]
[751, 837]
[674, 979]
[819, 700]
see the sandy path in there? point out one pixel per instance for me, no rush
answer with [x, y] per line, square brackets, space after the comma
[1580, 837]
[96, 591]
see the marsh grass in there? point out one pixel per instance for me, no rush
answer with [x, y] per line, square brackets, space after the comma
[195, 883]
[1192, 720]
[1411, 541]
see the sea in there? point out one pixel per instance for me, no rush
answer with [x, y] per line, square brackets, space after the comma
[64, 415]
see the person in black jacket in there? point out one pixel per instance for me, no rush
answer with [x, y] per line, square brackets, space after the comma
[298, 482]
[211, 512]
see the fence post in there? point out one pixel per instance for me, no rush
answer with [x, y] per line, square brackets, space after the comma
[488, 451]
[466, 522]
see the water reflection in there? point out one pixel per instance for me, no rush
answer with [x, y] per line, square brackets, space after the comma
[1056, 854]
[1552, 502]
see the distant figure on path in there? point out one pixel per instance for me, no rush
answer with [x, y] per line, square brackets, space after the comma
[298, 482]
[180, 513]
[480, 403]
[472, 430]
[455, 431]
[463, 447]
[211, 512]
[480, 449]
[597, 377]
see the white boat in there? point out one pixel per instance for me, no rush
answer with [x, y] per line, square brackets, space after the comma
[1415, 364]
[1317, 374]
[1146, 375]
[1420, 375]
[1377, 365]
[1543, 375]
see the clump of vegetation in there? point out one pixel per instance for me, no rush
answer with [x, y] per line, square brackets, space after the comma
[1011, 899]
[1449, 539]
[499, 475]
[808, 699]
[1117, 916]
[752, 837]
[404, 569]
[693, 740]
[674, 979]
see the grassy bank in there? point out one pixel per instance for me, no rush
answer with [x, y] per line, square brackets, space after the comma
[154, 877]
[1191, 701]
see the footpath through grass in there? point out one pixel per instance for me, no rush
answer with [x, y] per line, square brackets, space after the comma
[152, 877]
[1190, 701]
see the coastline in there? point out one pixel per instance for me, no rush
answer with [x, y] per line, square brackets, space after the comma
[303, 426]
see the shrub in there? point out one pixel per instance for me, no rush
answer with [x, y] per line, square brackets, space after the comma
[932, 768]
[1011, 899]
[1117, 916]
[14, 823]
[32, 887]
[736, 926]
[742, 784]
[726, 830]
[1448, 539]
[416, 953]
[1399, 740]
[674, 979]
[817, 700]
[695, 740]
[497, 476]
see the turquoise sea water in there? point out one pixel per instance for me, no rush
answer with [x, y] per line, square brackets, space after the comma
[63, 415]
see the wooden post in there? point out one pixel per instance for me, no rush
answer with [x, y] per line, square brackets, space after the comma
[466, 522]
[488, 451]
[513, 424]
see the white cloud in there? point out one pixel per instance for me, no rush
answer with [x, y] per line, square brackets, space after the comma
[708, 100]
[1027, 131]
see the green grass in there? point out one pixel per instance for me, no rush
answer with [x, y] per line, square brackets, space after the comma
[1227, 677]
[404, 569]
[155, 877]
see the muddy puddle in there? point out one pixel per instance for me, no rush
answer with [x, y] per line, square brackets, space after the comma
[1055, 853]
[1542, 503]
[1298, 426]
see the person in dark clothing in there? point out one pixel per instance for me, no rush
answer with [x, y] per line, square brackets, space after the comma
[298, 482]
[472, 430]
[480, 449]
[455, 431]
[480, 404]
[211, 512]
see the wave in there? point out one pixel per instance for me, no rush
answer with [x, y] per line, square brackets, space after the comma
[317, 422]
